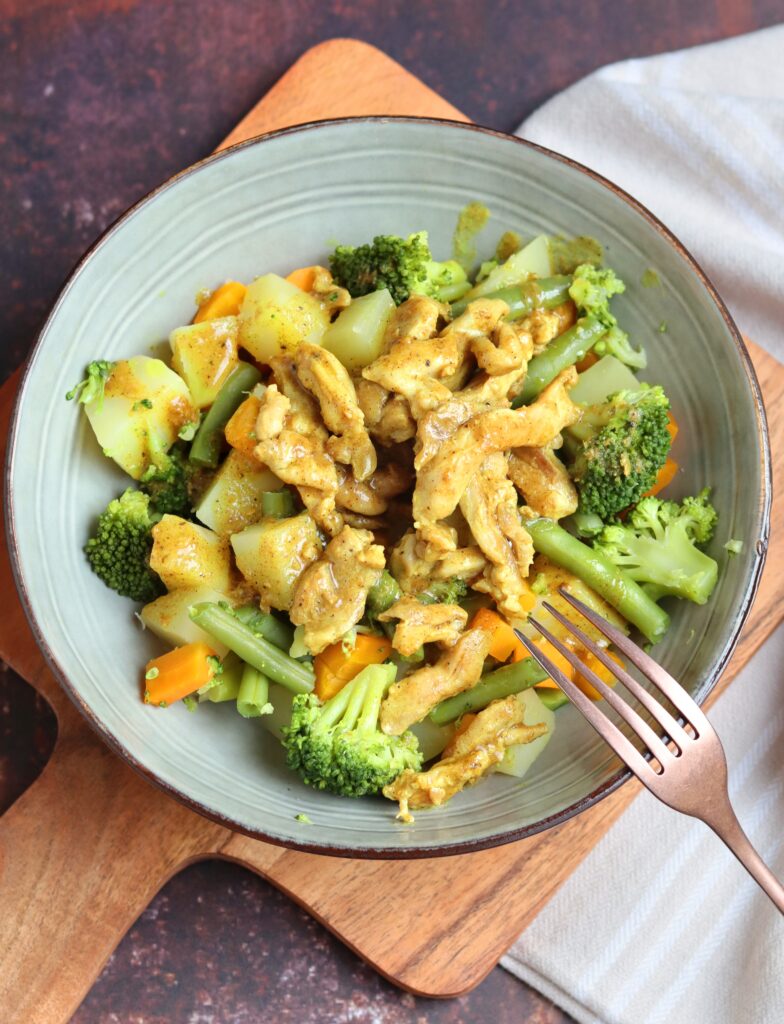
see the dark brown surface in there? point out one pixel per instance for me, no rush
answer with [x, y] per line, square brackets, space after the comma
[98, 102]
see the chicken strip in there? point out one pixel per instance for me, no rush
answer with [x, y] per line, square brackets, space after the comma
[489, 504]
[419, 368]
[332, 297]
[424, 624]
[371, 497]
[329, 597]
[502, 353]
[387, 416]
[470, 756]
[327, 379]
[542, 325]
[291, 435]
[297, 458]
[484, 393]
[416, 318]
[543, 481]
[413, 563]
[410, 699]
[442, 481]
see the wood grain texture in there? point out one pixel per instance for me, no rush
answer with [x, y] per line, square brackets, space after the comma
[85, 848]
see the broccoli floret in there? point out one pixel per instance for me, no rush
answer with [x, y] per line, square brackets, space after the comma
[338, 745]
[444, 591]
[403, 265]
[626, 445]
[119, 552]
[167, 481]
[658, 546]
[92, 387]
[591, 291]
[616, 343]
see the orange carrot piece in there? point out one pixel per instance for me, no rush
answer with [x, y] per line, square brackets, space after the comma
[586, 362]
[664, 477]
[504, 642]
[241, 429]
[336, 668]
[556, 657]
[672, 425]
[327, 683]
[179, 672]
[464, 723]
[593, 663]
[224, 301]
[303, 277]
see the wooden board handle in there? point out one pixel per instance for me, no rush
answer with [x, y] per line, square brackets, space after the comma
[70, 884]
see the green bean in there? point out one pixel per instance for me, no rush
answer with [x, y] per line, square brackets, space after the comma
[514, 678]
[253, 696]
[383, 594]
[269, 626]
[206, 448]
[277, 504]
[595, 569]
[522, 299]
[252, 648]
[226, 685]
[566, 350]
[552, 699]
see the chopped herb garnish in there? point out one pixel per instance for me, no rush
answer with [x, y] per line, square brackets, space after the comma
[303, 818]
[152, 673]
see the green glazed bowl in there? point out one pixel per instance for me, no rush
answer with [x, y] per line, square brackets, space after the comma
[282, 201]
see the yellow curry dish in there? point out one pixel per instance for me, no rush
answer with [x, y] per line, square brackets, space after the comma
[352, 483]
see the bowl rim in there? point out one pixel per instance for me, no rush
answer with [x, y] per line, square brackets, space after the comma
[382, 852]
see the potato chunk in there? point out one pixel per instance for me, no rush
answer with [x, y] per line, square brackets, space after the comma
[276, 316]
[143, 409]
[204, 355]
[188, 557]
[233, 499]
[167, 617]
[272, 555]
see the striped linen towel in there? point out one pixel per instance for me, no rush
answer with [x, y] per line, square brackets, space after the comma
[660, 925]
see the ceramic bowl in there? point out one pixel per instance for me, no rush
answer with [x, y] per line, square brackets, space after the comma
[275, 203]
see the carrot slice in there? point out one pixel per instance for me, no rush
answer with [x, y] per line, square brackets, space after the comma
[303, 277]
[672, 425]
[327, 683]
[556, 657]
[174, 675]
[593, 663]
[504, 642]
[586, 362]
[334, 667]
[664, 477]
[240, 431]
[224, 301]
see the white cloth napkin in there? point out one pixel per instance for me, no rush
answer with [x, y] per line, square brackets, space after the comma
[660, 925]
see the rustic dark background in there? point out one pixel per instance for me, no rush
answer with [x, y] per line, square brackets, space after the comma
[100, 100]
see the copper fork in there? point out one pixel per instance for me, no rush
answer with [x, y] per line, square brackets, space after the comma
[685, 767]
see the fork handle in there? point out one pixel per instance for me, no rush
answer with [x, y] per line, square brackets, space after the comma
[729, 830]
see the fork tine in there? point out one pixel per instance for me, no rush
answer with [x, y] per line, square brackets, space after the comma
[649, 668]
[673, 729]
[651, 740]
[608, 730]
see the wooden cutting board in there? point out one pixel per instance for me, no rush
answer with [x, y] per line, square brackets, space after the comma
[85, 849]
